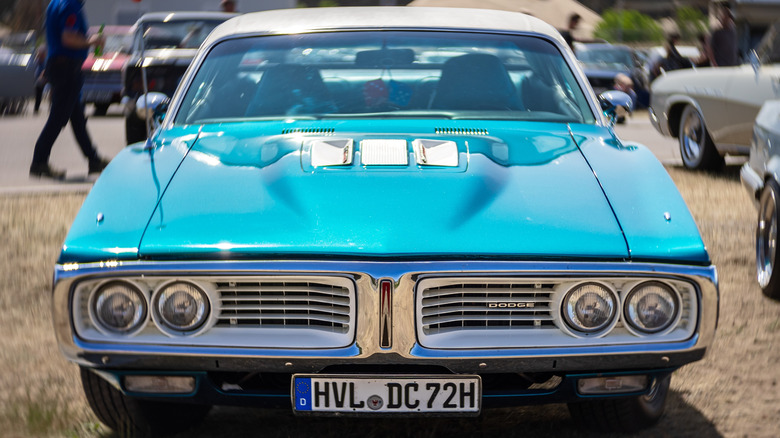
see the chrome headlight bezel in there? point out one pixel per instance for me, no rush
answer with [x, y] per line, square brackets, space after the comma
[141, 314]
[204, 313]
[571, 326]
[635, 328]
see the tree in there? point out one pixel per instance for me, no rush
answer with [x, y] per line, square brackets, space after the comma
[691, 22]
[628, 26]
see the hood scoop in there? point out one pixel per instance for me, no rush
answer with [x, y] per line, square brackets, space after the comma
[383, 152]
[436, 153]
[319, 131]
[331, 152]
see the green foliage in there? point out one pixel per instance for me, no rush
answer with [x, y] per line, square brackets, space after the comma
[691, 22]
[628, 26]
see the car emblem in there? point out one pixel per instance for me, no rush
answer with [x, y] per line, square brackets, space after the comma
[375, 402]
[510, 305]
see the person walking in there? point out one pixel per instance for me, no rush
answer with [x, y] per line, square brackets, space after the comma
[68, 44]
[723, 42]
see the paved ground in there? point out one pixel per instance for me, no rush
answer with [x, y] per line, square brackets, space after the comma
[19, 133]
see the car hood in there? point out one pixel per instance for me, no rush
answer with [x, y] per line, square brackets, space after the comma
[518, 190]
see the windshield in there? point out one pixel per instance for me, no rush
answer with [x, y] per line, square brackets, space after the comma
[385, 74]
[182, 34]
[768, 49]
[605, 57]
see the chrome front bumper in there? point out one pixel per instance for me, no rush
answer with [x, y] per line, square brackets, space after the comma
[367, 345]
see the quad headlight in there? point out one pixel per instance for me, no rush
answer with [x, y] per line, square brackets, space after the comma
[119, 307]
[651, 307]
[181, 306]
[590, 308]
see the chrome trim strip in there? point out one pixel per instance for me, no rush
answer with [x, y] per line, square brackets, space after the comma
[366, 274]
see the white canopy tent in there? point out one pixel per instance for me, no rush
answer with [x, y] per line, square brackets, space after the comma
[554, 12]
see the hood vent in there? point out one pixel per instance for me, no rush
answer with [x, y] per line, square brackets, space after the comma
[320, 131]
[461, 131]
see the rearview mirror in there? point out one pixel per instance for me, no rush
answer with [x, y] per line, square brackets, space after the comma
[152, 105]
[616, 105]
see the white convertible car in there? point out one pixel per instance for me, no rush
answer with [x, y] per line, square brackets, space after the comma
[712, 110]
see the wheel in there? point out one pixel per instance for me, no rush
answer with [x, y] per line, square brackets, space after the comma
[101, 109]
[623, 414]
[133, 417]
[135, 129]
[696, 147]
[766, 240]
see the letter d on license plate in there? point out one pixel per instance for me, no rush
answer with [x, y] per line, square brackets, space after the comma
[323, 394]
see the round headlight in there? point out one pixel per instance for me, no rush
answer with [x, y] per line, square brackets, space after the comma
[119, 307]
[589, 307]
[182, 306]
[651, 307]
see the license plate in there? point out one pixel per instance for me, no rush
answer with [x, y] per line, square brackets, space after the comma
[323, 394]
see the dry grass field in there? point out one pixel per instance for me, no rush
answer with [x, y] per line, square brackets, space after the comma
[733, 392]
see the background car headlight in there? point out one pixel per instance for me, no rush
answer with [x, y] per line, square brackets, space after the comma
[589, 307]
[119, 307]
[651, 307]
[182, 306]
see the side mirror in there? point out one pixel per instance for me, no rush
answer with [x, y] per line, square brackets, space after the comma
[153, 106]
[616, 105]
[755, 62]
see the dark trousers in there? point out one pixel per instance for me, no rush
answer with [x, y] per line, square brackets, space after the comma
[65, 80]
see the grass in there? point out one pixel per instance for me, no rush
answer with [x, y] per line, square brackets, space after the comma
[732, 392]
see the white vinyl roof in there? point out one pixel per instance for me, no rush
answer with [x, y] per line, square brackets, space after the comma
[286, 21]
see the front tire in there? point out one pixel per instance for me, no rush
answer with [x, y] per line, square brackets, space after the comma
[696, 147]
[132, 417]
[766, 240]
[623, 414]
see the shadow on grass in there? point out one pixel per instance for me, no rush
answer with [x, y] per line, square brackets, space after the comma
[729, 172]
[680, 419]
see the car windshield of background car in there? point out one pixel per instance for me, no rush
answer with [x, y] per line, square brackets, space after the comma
[177, 34]
[385, 74]
[606, 58]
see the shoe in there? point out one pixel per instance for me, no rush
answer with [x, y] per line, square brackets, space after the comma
[46, 171]
[97, 165]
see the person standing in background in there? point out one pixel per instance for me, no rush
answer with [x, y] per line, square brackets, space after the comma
[67, 43]
[227, 5]
[568, 33]
[723, 42]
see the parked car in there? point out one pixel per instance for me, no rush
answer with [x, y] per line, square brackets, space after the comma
[712, 110]
[359, 232]
[17, 72]
[602, 62]
[170, 41]
[103, 70]
[761, 177]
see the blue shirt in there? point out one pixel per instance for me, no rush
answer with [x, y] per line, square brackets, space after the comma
[64, 15]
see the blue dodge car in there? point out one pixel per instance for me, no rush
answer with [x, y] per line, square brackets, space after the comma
[382, 211]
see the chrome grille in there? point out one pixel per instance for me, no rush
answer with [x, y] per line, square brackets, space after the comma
[508, 305]
[265, 304]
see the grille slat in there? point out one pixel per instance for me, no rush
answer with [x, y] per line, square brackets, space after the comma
[483, 310]
[334, 319]
[329, 290]
[340, 310]
[453, 300]
[475, 318]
